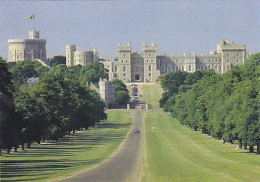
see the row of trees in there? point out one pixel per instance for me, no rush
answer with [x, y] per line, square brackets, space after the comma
[223, 106]
[57, 104]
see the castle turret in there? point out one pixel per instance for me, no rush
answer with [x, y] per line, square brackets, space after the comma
[124, 58]
[106, 91]
[70, 49]
[150, 67]
[34, 34]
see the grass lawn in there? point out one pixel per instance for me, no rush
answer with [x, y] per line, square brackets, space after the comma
[73, 153]
[152, 95]
[177, 153]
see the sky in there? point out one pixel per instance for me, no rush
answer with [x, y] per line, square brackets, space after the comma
[176, 27]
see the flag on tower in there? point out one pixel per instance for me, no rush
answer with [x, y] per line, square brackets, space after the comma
[31, 16]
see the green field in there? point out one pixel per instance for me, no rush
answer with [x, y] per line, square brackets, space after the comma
[73, 153]
[152, 95]
[177, 153]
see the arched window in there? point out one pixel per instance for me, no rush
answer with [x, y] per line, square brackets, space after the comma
[124, 68]
[150, 68]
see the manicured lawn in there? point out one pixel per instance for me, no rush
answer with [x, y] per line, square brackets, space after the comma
[73, 153]
[152, 95]
[177, 153]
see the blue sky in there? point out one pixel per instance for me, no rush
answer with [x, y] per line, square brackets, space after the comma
[175, 26]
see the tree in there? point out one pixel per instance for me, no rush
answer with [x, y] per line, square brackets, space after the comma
[121, 98]
[91, 73]
[121, 93]
[27, 69]
[58, 60]
[10, 123]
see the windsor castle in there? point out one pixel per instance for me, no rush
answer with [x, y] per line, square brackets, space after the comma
[146, 66]
[129, 66]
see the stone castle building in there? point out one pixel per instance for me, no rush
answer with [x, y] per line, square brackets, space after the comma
[106, 90]
[27, 49]
[74, 57]
[146, 66]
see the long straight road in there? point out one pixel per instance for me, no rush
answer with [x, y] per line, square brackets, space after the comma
[125, 165]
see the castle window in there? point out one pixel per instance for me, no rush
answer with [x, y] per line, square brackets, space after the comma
[182, 68]
[124, 74]
[150, 68]
[237, 54]
[124, 55]
[126, 61]
[147, 61]
[124, 68]
[209, 66]
[219, 68]
[150, 74]
[189, 67]
[116, 68]
[122, 61]
[237, 60]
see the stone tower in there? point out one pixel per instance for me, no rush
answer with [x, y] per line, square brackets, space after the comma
[150, 67]
[124, 58]
[34, 34]
[70, 49]
[27, 49]
[107, 91]
[231, 54]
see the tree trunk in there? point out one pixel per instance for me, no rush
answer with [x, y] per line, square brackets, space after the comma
[73, 131]
[240, 143]
[15, 149]
[258, 147]
[0, 151]
[8, 151]
[28, 145]
[245, 145]
[23, 146]
[251, 149]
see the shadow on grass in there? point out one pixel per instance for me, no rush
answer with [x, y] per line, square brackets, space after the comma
[17, 166]
[39, 167]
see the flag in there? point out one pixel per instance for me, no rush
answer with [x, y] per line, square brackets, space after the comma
[31, 16]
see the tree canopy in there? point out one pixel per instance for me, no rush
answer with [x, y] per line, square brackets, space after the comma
[223, 106]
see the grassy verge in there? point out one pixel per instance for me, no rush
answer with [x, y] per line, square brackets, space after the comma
[152, 95]
[71, 154]
[176, 153]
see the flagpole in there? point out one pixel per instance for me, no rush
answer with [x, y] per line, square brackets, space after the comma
[33, 21]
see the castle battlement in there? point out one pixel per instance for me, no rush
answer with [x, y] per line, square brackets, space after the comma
[124, 47]
[150, 48]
